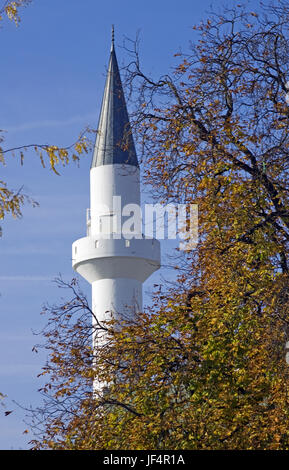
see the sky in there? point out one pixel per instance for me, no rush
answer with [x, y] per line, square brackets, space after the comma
[53, 73]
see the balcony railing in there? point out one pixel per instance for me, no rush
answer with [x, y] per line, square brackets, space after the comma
[88, 222]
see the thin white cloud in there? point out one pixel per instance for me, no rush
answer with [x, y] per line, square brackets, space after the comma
[18, 369]
[26, 278]
[28, 251]
[50, 123]
[6, 337]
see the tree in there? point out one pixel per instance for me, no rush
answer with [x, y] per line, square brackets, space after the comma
[204, 367]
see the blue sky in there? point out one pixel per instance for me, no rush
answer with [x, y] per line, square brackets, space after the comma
[53, 71]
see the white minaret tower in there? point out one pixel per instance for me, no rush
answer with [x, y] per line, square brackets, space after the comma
[114, 257]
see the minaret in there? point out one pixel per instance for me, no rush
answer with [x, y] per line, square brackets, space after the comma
[114, 257]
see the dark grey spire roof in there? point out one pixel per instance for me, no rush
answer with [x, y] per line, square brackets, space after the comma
[114, 142]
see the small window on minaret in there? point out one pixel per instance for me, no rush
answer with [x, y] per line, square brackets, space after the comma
[96, 244]
[127, 243]
[75, 250]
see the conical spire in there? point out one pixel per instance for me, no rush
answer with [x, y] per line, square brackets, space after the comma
[114, 142]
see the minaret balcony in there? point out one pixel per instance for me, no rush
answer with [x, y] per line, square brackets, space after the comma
[97, 258]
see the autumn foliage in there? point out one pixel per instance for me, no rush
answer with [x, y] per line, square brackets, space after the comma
[204, 367]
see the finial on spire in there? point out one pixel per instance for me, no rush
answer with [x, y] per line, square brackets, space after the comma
[112, 37]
